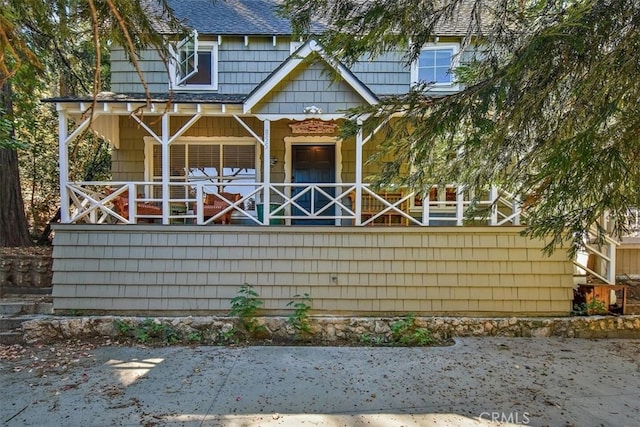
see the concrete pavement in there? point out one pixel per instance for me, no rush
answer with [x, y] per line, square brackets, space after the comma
[537, 382]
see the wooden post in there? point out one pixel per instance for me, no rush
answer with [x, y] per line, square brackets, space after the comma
[166, 164]
[358, 198]
[63, 159]
[266, 173]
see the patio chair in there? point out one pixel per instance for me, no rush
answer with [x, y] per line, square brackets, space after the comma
[216, 203]
[121, 207]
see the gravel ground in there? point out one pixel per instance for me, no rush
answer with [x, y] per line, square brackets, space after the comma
[537, 381]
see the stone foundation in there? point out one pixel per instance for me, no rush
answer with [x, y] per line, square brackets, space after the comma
[25, 274]
[338, 330]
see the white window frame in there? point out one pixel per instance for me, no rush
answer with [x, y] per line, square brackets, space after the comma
[200, 46]
[455, 62]
[150, 142]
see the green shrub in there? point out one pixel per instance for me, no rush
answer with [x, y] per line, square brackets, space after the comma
[245, 306]
[405, 332]
[299, 319]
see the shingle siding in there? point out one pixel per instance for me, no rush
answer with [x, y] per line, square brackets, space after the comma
[309, 84]
[243, 67]
[444, 270]
[124, 78]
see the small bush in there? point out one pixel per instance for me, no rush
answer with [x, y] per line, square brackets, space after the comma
[245, 306]
[405, 332]
[299, 319]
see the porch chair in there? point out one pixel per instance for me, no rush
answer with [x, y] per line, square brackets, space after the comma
[121, 207]
[371, 206]
[215, 203]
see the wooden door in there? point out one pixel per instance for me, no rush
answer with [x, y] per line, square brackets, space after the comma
[314, 164]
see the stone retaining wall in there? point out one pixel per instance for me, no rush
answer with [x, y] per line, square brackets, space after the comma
[26, 274]
[336, 330]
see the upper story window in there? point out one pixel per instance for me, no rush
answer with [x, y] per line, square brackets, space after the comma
[435, 66]
[195, 65]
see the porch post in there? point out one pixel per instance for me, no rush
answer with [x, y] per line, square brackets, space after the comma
[493, 199]
[266, 173]
[358, 201]
[63, 156]
[165, 168]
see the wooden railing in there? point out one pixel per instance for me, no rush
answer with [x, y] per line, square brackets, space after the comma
[290, 203]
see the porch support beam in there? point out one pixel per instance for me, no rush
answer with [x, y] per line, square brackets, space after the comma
[147, 128]
[81, 128]
[165, 168]
[63, 158]
[266, 173]
[248, 129]
[375, 131]
[358, 201]
[184, 128]
[64, 138]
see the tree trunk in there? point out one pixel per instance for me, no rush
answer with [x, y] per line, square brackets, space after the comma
[13, 222]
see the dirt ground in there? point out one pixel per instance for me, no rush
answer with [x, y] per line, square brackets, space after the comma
[512, 381]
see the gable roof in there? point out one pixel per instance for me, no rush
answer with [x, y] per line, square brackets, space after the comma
[233, 17]
[260, 17]
[280, 73]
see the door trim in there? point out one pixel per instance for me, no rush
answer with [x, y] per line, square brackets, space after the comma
[289, 141]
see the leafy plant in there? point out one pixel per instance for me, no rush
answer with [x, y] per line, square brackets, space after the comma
[149, 331]
[123, 327]
[245, 306]
[372, 340]
[590, 308]
[194, 337]
[229, 336]
[299, 319]
[405, 332]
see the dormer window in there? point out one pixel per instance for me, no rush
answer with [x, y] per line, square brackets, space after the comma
[435, 66]
[195, 65]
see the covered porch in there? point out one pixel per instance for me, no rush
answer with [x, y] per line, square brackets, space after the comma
[212, 164]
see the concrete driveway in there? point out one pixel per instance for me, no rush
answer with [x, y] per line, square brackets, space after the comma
[537, 382]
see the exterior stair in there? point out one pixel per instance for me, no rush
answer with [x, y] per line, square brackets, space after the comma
[14, 312]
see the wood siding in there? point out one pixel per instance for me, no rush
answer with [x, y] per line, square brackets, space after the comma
[628, 259]
[124, 78]
[243, 67]
[307, 85]
[372, 270]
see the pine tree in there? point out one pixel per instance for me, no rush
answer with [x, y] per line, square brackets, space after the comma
[43, 44]
[550, 109]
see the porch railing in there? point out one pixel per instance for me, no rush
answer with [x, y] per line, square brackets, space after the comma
[290, 203]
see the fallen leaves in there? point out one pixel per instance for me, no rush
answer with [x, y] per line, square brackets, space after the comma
[44, 359]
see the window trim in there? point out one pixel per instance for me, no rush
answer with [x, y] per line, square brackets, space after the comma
[455, 62]
[202, 46]
[150, 142]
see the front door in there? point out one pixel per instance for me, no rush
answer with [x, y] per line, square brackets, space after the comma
[313, 164]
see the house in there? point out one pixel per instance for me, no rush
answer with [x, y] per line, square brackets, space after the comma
[235, 173]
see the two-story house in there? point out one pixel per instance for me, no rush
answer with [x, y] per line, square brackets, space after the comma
[247, 118]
